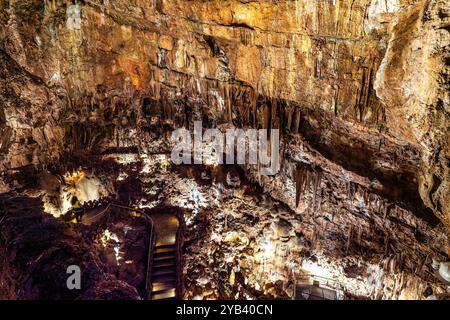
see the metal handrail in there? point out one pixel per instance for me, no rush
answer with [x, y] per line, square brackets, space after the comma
[151, 240]
[179, 257]
[306, 276]
[148, 283]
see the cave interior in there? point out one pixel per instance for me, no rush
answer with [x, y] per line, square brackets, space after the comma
[353, 95]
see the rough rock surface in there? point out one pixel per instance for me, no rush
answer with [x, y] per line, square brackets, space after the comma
[36, 250]
[72, 69]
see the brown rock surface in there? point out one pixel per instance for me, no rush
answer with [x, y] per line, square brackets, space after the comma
[36, 250]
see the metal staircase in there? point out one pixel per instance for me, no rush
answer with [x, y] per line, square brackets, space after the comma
[164, 273]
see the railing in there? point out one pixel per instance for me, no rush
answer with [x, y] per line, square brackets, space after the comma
[179, 264]
[148, 286]
[148, 279]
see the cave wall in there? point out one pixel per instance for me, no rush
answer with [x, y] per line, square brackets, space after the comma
[359, 90]
[376, 68]
[418, 56]
[36, 251]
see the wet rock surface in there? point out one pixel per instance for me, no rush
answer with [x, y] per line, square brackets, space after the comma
[240, 241]
[96, 75]
[37, 249]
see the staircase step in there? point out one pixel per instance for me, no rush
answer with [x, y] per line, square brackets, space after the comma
[163, 286]
[164, 249]
[171, 245]
[163, 278]
[171, 289]
[161, 272]
[164, 255]
[170, 293]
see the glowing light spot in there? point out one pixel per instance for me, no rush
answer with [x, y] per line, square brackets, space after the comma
[232, 237]
[108, 238]
[316, 270]
[124, 158]
[122, 176]
[73, 14]
[268, 249]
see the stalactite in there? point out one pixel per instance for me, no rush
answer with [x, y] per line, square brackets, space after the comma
[307, 183]
[419, 269]
[319, 209]
[366, 197]
[247, 108]
[301, 177]
[317, 183]
[350, 191]
[246, 36]
[317, 68]
[363, 93]
[265, 116]
[386, 212]
[336, 101]
[85, 136]
[289, 118]
[360, 231]
[229, 103]
[349, 237]
[75, 136]
[296, 126]
[275, 115]
[254, 114]
[386, 244]
[282, 157]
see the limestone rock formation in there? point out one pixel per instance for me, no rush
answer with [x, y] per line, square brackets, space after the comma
[359, 90]
[36, 251]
